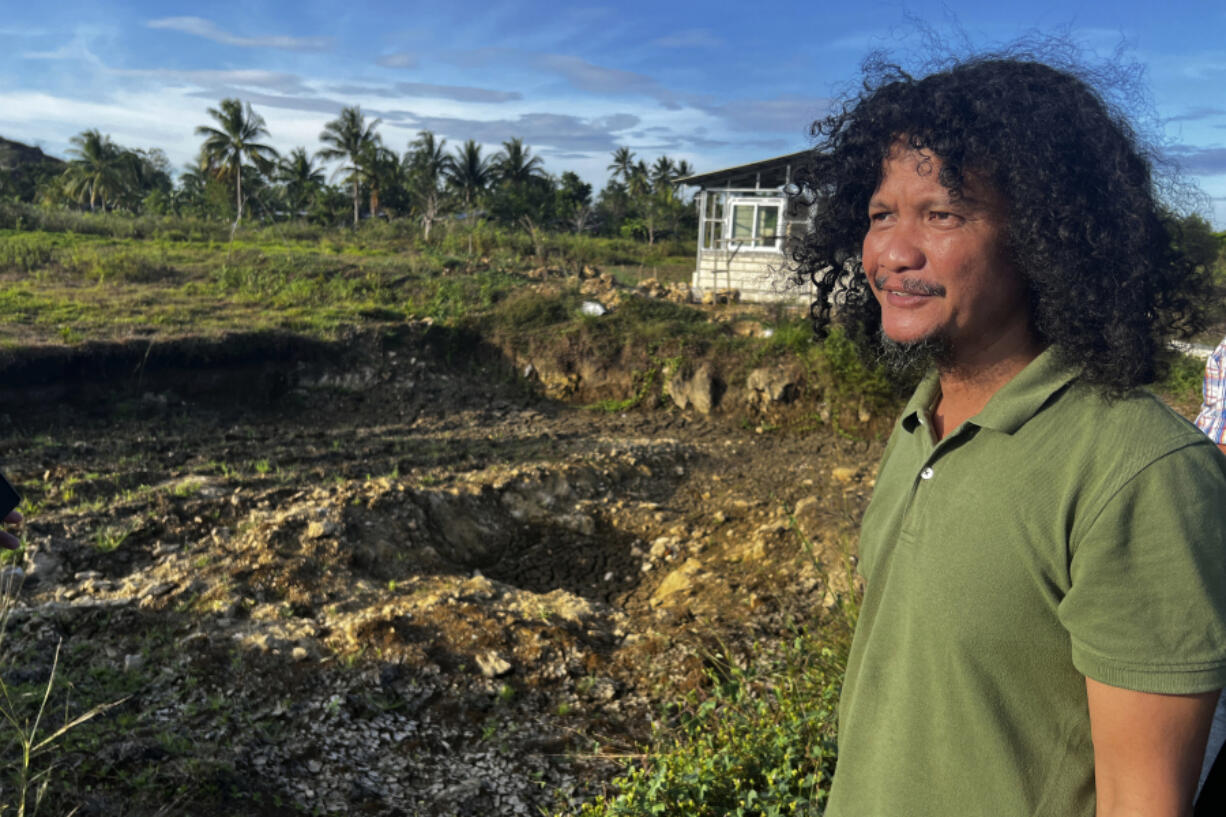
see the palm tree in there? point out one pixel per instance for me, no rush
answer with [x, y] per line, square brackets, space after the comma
[379, 169]
[639, 180]
[225, 146]
[100, 171]
[470, 173]
[622, 164]
[428, 166]
[516, 164]
[349, 137]
[662, 172]
[301, 178]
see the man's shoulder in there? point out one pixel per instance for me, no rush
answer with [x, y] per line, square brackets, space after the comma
[1138, 426]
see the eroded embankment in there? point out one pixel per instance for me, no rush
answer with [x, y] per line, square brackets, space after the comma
[384, 575]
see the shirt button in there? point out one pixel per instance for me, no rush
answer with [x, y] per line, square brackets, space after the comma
[926, 473]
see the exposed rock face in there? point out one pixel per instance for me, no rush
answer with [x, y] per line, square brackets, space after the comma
[701, 390]
[766, 386]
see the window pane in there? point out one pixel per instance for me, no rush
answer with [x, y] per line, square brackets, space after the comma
[768, 225]
[742, 221]
[715, 205]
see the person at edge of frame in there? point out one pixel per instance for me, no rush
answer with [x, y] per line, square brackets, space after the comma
[1043, 627]
[1211, 419]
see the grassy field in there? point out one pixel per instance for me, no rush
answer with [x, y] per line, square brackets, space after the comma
[80, 277]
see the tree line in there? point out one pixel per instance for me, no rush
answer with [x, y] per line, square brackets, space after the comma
[238, 176]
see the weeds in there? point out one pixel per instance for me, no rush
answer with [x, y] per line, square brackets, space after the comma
[29, 737]
[758, 741]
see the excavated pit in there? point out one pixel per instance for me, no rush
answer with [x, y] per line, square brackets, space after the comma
[383, 575]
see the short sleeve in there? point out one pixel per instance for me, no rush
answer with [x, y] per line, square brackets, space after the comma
[1146, 605]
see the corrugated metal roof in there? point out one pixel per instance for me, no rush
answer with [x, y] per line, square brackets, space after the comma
[746, 172]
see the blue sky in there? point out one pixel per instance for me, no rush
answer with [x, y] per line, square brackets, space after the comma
[715, 83]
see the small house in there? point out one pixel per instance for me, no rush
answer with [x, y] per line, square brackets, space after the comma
[744, 218]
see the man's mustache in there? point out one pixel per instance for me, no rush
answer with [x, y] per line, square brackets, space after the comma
[910, 286]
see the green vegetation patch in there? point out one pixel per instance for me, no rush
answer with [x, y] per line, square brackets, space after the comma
[759, 742]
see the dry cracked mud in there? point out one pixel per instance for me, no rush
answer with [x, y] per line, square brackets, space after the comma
[391, 579]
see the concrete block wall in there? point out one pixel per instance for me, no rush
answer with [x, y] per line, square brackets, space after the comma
[760, 277]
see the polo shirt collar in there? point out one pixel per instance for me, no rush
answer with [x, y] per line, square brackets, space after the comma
[1015, 403]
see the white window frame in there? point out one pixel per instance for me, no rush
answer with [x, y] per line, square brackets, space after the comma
[742, 197]
[757, 203]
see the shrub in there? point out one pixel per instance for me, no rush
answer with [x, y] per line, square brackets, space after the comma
[26, 252]
[760, 742]
[1184, 379]
[530, 310]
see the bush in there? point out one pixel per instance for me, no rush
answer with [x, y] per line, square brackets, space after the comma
[530, 310]
[759, 743]
[1184, 379]
[26, 252]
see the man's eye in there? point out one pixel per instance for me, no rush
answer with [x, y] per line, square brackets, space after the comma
[943, 216]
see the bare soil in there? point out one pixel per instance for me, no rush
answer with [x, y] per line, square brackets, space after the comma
[387, 575]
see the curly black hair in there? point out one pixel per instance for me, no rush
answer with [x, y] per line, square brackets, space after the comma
[1107, 287]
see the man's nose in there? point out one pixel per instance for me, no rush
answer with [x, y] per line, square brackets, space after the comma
[902, 250]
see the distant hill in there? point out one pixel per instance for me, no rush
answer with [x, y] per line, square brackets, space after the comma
[14, 155]
[24, 168]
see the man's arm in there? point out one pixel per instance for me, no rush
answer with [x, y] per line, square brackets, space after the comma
[1148, 749]
[1222, 446]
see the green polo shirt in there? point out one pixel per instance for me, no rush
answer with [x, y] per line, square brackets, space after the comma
[1055, 535]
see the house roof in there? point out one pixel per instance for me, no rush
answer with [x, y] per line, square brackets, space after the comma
[763, 173]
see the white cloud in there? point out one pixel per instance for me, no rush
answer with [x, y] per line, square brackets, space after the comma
[401, 59]
[251, 77]
[201, 27]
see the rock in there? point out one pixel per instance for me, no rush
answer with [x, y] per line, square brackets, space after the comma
[663, 547]
[679, 581]
[44, 567]
[318, 530]
[808, 505]
[771, 385]
[679, 293]
[593, 308]
[702, 390]
[133, 662]
[493, 665]
[157, 590]
[842, 475]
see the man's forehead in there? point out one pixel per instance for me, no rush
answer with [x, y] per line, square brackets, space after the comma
[973, 188]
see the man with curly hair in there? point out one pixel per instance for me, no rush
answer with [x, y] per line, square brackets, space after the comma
[1043, 630]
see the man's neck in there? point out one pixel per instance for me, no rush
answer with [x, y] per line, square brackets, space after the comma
[965, 390]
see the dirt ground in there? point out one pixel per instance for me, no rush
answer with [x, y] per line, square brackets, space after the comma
[389, 577]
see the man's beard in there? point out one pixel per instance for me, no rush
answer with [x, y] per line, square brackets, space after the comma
[902, 359]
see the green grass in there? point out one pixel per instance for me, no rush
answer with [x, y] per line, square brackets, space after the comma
[88, 277]
[756, 742]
